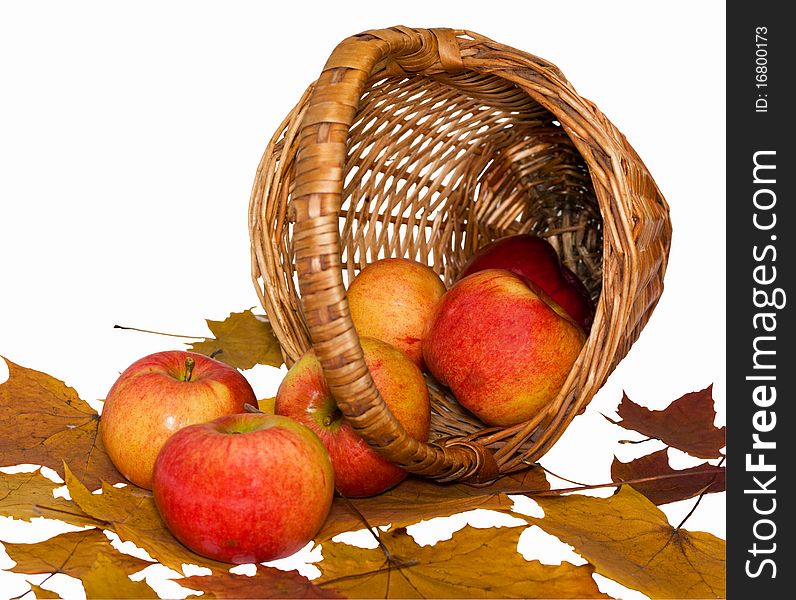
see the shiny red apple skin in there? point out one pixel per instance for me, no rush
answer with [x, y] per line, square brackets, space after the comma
[500, 347]
[305, 396]
[391, 299]
[244, 488]
[534, 258]
[150, 401]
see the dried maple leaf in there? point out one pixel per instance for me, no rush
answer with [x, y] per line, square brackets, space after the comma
[29, 495]
[242, 340]
[44, 422]
[475, 563]
[686, 424]
[73, 554]
[266, 582]
[43, 594]
[673, 485]
[131, 513]
[629, 540]
[266, 405]
[106, 579]
[415, 499]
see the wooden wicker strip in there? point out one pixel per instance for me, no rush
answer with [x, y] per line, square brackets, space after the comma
[428, 144]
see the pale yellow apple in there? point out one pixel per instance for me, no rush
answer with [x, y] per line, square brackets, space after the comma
[391, 300]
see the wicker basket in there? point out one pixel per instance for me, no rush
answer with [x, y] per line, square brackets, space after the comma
[427, 144]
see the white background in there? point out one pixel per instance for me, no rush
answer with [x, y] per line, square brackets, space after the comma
[129, 138]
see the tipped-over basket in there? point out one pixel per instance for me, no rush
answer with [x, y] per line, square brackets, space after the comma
[428, 144]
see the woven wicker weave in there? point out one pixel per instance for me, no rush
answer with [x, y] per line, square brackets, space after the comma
[428, 144]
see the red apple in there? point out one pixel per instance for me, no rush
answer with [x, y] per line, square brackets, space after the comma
[391, 299]
[502, 350]
[534, 258]
[244, 488]
[359, 471]
[160, 394]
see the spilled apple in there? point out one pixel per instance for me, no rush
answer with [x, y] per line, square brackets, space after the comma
[159, 395]
[305, 397]
[244, 488]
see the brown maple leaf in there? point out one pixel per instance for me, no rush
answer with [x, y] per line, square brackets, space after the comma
[44, 422]
[686, 424]
[668, 485]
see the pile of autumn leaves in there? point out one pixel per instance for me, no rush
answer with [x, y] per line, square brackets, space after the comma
[624, 537]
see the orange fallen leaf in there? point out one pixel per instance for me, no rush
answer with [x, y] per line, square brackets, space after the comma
[628, 539]
[242, 340]
[266, 405]
[73, 554]
[43, 594]
[131, 513]
[29, 495]
[474, 563]
[45, 422]
[416, 499]
[266, 582]
[107, 579]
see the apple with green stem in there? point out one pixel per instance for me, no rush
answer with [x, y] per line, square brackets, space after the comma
[157, 396]
[244, 488]
[359, 470]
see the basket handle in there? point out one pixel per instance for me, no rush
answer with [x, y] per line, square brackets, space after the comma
[315, 206]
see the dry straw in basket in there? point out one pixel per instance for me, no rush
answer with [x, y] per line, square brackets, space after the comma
[428, 144]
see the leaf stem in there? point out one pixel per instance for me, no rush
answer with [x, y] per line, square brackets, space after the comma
[701, 495]
[647, 439]
[388, 568]
[387, 554]
[546, 470]
[31, 589]
[561, 491]
[193, 337]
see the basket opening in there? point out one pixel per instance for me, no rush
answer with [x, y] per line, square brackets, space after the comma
[438, 166]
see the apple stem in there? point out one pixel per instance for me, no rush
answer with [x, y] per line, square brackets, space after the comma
[189, 364]
[332, 417]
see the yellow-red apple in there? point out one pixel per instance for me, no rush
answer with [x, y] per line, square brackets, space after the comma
[244, 488]
[503, 348]
[160, 394]
[391, 300]
[358, 470]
